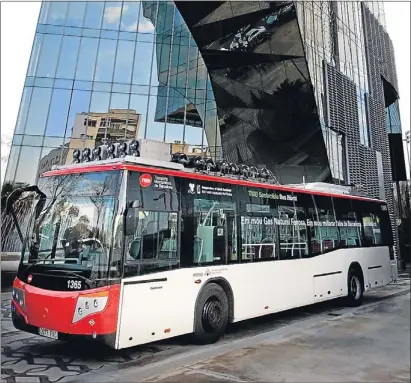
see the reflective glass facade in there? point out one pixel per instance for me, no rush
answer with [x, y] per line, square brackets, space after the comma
[288, 85]
[393, 118]
[110, 70]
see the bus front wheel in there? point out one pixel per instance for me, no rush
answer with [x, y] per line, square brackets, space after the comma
[355, 288]
[211, 314]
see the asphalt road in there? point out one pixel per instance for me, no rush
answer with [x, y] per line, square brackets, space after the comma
[26, 357]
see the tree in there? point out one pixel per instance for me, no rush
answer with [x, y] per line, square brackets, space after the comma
[9, 238]
[6, 190]
[6, 144]
[402, 200]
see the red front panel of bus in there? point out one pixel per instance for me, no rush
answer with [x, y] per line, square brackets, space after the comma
[55, 310]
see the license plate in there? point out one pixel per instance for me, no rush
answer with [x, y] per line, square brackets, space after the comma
[48, 333]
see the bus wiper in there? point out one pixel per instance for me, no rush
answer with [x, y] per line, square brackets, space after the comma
[41, 260]
[85, 279]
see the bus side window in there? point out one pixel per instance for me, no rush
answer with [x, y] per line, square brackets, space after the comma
[153, 247]
[323, 226]
[215, 231]
[258, 233]
[292, 232]
[348, 222]
[372, 229]
[187, 239]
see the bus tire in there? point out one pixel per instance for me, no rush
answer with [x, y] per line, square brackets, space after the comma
[211, 314]
[355, 287]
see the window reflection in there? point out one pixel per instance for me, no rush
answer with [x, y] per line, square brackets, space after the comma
[124, 62]
[86, 59]
[49, 55]
[174, 133]
[53, 141]
[147, 17]
[99, 102]
[142, 68]
[26, 171]
[112, 15]
[24, 108]
[155, 118]
[17, 139]
[32, 140]
[44, 11]
[126, 123]
[75, 15]
[12, 163]
[39, 106]
[35, 54]
[50, 157]
[119, 101]
[57, 13]
[129, 16]
[105, 60]
[68, 53]
[56, 122]
[79, 105]
[94, 14]
[138, 105]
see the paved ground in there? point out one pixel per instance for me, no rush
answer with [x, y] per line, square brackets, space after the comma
[29, 358]
[370, 345]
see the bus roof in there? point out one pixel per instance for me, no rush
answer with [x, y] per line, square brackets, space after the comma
[178, 170]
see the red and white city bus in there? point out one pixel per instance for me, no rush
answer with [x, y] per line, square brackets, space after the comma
[132, 250]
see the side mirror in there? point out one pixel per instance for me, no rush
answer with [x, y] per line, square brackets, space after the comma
[131, 221]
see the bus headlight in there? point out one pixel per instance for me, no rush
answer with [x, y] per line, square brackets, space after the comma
[89, 304]
[18, 297]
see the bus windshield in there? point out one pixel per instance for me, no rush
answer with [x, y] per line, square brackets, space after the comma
[74, 229]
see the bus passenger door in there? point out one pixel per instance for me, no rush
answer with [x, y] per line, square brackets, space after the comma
[148, 289]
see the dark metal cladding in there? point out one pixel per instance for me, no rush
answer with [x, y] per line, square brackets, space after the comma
[265, 101]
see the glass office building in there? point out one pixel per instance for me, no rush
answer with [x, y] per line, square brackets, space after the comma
[306, 88]
[110, 71]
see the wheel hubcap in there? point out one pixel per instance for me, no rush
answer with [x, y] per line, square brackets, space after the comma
[355, 287]
[212, 314]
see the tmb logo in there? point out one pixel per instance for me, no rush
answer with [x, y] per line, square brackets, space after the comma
[145, 180]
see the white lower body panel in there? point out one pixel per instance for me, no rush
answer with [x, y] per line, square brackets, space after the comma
[161, 305]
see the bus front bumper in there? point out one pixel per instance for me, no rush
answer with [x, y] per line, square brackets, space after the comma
[62, 315]
[20, 323]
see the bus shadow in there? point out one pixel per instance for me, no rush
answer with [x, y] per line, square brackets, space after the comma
[94, 356]
[234, 331]
[270, 322]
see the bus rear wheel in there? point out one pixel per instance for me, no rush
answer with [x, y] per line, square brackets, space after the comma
[355, 288]
[211, 314]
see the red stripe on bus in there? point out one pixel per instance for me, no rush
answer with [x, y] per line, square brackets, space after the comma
[197, 176]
